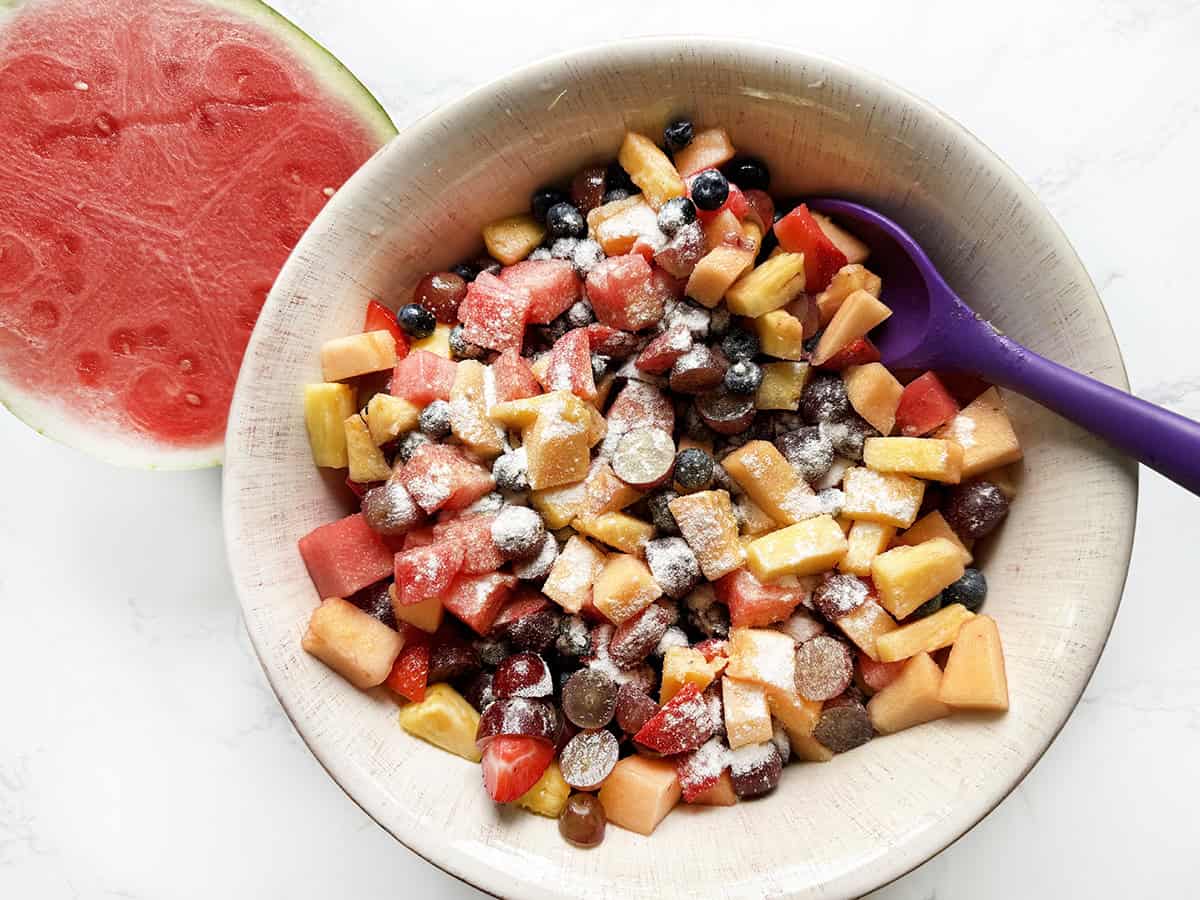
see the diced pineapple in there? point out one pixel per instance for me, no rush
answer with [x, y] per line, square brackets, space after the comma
[624, 588]
[540, 368]
[709, 149]
[975, 676]
[650, 169]
[808, 748]
[752, 518]
[513, 238]
[770, 481]
[559, 505]
[866, 541]
[437, 343]
[747, 716]
[617, 529]
[924, 635]
[858, 314]
[935, 460]
[770, 286]
[780, 335]
[616, 226]
[930, 526]
[877, 497]
[520, 414]
[548, 796]
[844, 521]
[806, 548]
[720, 794]
[639, 792]
[354, 644]
[326, 407]
[865, 625]
[389, 416]
[686, 665]
[849, 278]
[908, 576]
[797, 714]
[985, 433]
[357, 354]
[763, 656]
[707, 523]
[445, 719]
[874, 393]
[469, 420]
[367, 462]
[912, 699]
[716, 271]
[569, 583]
[426, 615]
[855, 251]
[604, 492]
[781, 386]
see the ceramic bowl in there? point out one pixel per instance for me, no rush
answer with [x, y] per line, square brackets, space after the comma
[1056, 569]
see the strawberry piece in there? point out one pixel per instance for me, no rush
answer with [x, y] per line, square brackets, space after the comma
[623, 294]
[345, 556]
[422, 377]
[439, 477]
[493, 313]
[660, 354]
[858, 352]
[380, 318]
[736, 202]
[711, 648]
[570, 366]
[798, 232]
[682, 724]
[477, 599]
[879, 675]
[611, 341]
[410, 673]
[424, 572]
[418, 537]
[514, 378]
[925, 405]
[666, 286]
[762, 208]
[701, 769]
[512, 764]
[552, 285]
[474, 535]
[753, 604]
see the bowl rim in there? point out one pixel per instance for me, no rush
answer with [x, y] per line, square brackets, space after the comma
[449, 861]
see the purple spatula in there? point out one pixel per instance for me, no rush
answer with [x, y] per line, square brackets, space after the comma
[931, 328]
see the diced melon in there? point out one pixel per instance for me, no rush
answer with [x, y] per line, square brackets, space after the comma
[781, 335]
[875, 394]
[975, 676]
[930, 526]
[548, 796]
[766, 475]
[366, 461]
[849, 278]
[924, 635]
[445, 719]
[858, 314]
[513, 238]
[720, 794]
[912, 699]
[716, 271]
[707, 523]
[747, 716]
[866, 541]
[557, 444]
[935, 460]
[808, 748]
[616, 226]
[618, 530]
[763, 656]
[426, 615]
[906, 577]
[687, 665]
[326, 408]
[752, 518]
[865, 625]
[985, 433]
[797, 714]
[469, 420]
[569, 583]
[650, 169]
[353, 643]
[559, 505]
[604, 492]
[639, 792]
[389, 416]
[879, 497]
[709, 149]
[806, 548]
[770, 286]
[357, 354]
[624, 588]
[781, 386]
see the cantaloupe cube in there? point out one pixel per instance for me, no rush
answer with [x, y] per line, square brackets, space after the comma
[326, 408]
[797, 714]
[763, 656]
[1007, 478]
[878, 497]
[906, 577]
[716, 271]
[357, 354]
[874, 393]
[985, 433]
[866, 625]
[933, 525]
[709, 149]
[389, 416]
[469, 420]
[929, 458]
[720, 794]
[781, 335]
[559, 505]
[445, 719]
[855, 251]
[639, 792]
[849, 278]
[724, 228]
[781, 386]
[752, 518]
[650, 169]
[912, 699]
[975, 676]
[513, 238]
[569, 583]
[616, 226]
[426, 615]
[354, 644]
[604, 492]
[707, 523]
[808, 748]
[556, 445]
[770, 286]
[924, 635]
[365, 460]
[858, 314]
[624, 588]
[866, 540]
[844, 521]
[437, 343]
[747, 716]
[617, 529]
[806, 548]
[548, 796]
[686, 665]
[769, 479]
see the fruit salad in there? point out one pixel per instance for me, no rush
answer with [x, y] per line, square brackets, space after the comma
[641, 518]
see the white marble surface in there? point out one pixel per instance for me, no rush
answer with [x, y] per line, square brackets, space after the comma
[142, 754]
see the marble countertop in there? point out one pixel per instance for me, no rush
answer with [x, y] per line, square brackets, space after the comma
[142, 754]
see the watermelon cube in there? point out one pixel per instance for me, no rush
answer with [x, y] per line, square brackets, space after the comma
[440, 477]
[380, 318]
[345, 556]
[422, 377]
[477, 599]
[858, 352]
[925, 405]
[660, 354]
[798, 232]
[570, 366]
[418, 537]
[552, 285]
[425, 572]
[611, 341]
[736, 202]
[410, 673]
[493, 313]
[622, 293]
[474, 535]
[640, 405]
[753, 604]
[514, 378]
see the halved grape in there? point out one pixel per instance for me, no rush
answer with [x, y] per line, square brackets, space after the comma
[589, 698]
[523, 675]
[519, 716]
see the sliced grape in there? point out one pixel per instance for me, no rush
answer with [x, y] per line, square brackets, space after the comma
[844, 727]
[839, 595]
[700, 369]
[644, 458]
[726, 413]
[518, 716]
[588, 758]
[755, 769]
[589, 698]
[390, 509]
[634, 708]
[636, 638]
[824, 668]
[523, 675]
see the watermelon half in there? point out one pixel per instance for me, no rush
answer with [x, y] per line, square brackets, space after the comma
[158, 162]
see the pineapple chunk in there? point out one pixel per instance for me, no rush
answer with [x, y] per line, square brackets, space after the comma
[752, 518]
[747, 716]
[808, 748]
[569, 583]
[806, 548]
[844, 521]
[367, 462]
[865, 625]
[924, 635]
[930, 526]
[874, 393]
[908, 576]
[357, 354]
[858, 314]
[709, 149]
[624, 588]
[781, 335]
[540, 368]
[616, 226]
[604, 492]
[867, 540]
[928, 458]
[781, 386]
[326, 407]
[559, 505]
[513, 238]
[426, 615]
[985, 433]
[720, 794]
[797, 714]
[855, 251]
[437, 343]
[388, 417]
[354, 644]
[770, 286]
[886, 499]
[617, 529]
[975, 676]
[686, 665]
[770, 481]
[639, 792]
[912, 699]
[520, 414]
[548, 796]
[650, 169]
[763, 656]
[556, 445]
[445, 719]
[469, 420]
[848, 279]
[707, 523]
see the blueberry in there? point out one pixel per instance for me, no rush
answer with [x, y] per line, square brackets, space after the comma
[743, 377]
[416, 320]
[824, 399]
[748, 173]
[970, 590]
[543, 199]
[710, 189]
[975, 508]
[660, 512]
[810, 343]
[460, 347]
[616, 194]
[465, 271]
[693, 469]
[434, 420]
[616, 178]
[409, 443]
[675, 213]
[599, 365]
[580, 314]
[928, 608]
[510, 470]
[486, 264]
[739, 343]
[678, 134]
[564, 220]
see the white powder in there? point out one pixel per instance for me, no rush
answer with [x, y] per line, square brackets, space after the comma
[834, 476]
[961, 430]
[746, 759]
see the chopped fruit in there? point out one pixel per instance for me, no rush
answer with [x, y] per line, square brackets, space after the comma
[709, 149]
[425, 573]
[345, 556]
[747, 716]
[975, 676]
[755, 770]
[878, 497]
[472, 535]
[855, 317]
[843, 727]
[514, 379]
[617, 529]
[548, 796]
[985, 433]
[718, 269]
[617, 226]
[848, 279]
[752, 518]
[438, 476]
[865, 624]
[781, 335]
[762, 207]
[512, 765]
[623, 293]
[326, 407]
[683, 724]
[700, 771]
[493, 313]
[925, 405]
[799, 232]
[877, 675]
[660, 354]
[824, 668]
[583, 821]
[650, 169]
[933, 526]
[512, 238]
[858, 352]
[410, 673]
[753, 604]
[639, 405]
[766, 475]
[908, 576]
[763, 656]
[910, 699]
[806, 548]
[437, 343]
[770, 286]
[928, 458]
[639, 793]
[687, 665]
[353, 643]
[569, 583]
[604, 492]
[469, 420]
[866, 541]
[357, 354]
[624, 587]
[874, 393]
[855, 251]
[380, 318]
[700, 369]
[422, 377]
[389, 416]
[518, 716]
[560, 505]
[809, 749]
[781, 386]
[552, 285]
[426, 615]
[556, 445]
[797, 714]
[975, 509]
[588, 758]
[924, 635]
[644, 458]
[721, 228]
[445, 719]
[707, 523]
[570, 366]
[476, 599]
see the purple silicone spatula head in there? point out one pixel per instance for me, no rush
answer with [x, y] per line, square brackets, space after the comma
[932, 328]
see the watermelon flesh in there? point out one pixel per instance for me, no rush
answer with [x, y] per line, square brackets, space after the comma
[146, 206]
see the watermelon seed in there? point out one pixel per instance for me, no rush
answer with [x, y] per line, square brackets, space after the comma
[81, 85]
[192, 399]
[185, 365]
[328, 192]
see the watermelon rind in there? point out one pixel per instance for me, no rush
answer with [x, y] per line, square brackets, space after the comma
[120, 447]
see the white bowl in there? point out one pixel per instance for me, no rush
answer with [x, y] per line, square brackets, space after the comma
[1056, 569]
